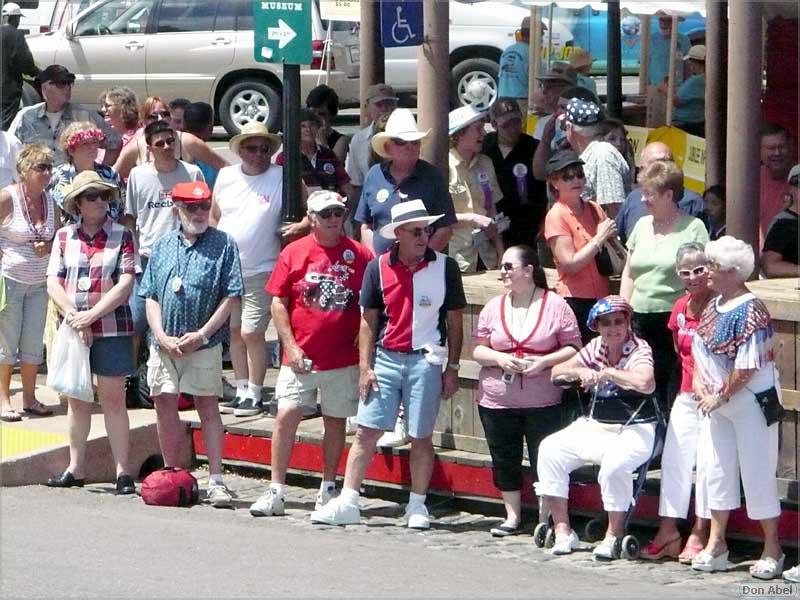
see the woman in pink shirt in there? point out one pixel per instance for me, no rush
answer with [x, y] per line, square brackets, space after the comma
[520, 336]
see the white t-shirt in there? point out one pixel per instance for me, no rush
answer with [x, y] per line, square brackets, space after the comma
[9, 148]
[149, 200]
[250, 207]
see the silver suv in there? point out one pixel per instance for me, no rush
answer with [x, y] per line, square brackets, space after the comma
[196, 49]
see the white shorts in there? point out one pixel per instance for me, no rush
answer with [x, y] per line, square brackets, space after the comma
[199, 373]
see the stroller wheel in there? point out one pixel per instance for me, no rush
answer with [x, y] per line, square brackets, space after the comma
[630, 547]
[550, 538]
[540, 535]
[594, 530]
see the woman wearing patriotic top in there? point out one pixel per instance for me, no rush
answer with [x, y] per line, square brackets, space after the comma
[520, 336]
[737, 386]
[681, 447]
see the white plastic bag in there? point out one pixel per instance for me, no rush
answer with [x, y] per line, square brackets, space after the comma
[69, 372]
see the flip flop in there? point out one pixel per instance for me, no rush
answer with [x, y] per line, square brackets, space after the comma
[38, 409]
[10, 416]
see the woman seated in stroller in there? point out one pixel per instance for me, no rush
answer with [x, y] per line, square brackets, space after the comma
[619, 432]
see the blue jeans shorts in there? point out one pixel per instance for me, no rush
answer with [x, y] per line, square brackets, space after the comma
[112, 356]
[22, 323]
[408, 379]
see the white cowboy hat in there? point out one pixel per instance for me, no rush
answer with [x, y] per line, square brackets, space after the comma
[411, 211]
[401, 125]
[462, 117]
[255, 129]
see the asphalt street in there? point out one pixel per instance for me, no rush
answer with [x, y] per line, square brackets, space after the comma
[89, 543]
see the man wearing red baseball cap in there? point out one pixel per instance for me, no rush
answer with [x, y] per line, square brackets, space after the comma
[192, 282]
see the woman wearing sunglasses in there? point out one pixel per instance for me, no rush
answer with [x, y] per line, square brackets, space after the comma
[90, 277]
[520, 336]
[28, 220]
[575, 231]
[681, 447]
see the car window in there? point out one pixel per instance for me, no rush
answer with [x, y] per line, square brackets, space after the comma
[244, 17]
[116, 17]
[226, 14]
[185, 15]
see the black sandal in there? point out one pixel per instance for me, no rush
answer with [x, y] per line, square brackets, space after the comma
[505, 530]
[38, 409]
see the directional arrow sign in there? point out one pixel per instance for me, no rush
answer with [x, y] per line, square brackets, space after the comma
[282, 31]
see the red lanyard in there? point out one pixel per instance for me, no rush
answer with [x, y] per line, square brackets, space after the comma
[520, 345]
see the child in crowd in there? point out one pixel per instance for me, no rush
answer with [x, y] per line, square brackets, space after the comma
[714, 199]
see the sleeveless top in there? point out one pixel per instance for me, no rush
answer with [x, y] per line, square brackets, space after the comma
[19, 261]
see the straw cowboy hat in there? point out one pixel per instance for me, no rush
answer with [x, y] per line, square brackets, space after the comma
[255, 129]
[580, 58]
[84, 181]
[402, 126]
[411, 211]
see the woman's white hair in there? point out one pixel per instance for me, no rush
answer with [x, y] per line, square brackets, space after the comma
[732, 254]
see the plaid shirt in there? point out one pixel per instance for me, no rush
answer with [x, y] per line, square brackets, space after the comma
[101, 259]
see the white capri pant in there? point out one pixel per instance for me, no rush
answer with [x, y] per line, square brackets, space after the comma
[741, 442]
[618, 450]
[686, 435]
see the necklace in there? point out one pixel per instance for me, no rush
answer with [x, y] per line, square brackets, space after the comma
[665, 227]
[37, 231]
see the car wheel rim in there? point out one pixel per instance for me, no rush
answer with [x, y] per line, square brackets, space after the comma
[247, 106]
[477, 88]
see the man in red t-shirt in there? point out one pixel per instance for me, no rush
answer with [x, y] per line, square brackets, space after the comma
[776, 160]
[315, 287]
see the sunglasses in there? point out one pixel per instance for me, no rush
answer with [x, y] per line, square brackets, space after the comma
[162, 114]
[697, 271]
[327, 213]
[260, 149]
[418, 232]
[401, 143]
[205, 205]
[43, 167]
[94, 197]
[570, 174]
[507, 266]
[609, 321]
[164, 143]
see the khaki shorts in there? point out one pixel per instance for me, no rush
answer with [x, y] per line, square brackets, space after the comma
[253, 314]
[338, 391]
[199, 373]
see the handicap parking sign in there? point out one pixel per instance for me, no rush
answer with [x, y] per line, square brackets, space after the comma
[401, 23]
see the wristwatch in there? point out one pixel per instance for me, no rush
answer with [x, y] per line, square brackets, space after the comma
[455, 366]
[203, 337]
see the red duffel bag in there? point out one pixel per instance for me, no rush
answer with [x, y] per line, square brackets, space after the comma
[170, 487]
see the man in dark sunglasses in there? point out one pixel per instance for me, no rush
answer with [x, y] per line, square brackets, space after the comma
[315, 288]
[44, 123]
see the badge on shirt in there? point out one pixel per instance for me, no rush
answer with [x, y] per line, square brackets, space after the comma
[348, 255]
[328, 168]
[176, 284]
[424, 301]
[681, 321]
[84, 283]
[382, 195]
[519, 170]
[483, 177]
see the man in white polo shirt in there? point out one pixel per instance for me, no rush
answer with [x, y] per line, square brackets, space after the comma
[247, 206]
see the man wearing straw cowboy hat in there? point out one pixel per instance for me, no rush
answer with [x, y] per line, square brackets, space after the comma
[247, 206]
[402, 176]
[412, 299]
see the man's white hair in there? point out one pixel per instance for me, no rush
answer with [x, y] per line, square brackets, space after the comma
[732, 254]
[591, 132]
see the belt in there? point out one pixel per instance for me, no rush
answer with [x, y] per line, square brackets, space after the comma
[420, 351]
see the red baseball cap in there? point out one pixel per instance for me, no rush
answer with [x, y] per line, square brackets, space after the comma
[191, 192]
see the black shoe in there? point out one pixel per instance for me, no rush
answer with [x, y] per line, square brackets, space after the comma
[125, 485]
[249, 407]
[66, 480]
[228, 408]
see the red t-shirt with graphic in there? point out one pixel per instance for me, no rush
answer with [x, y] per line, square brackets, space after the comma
[322, 285]
[683, 327]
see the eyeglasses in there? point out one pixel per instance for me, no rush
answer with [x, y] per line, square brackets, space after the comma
[327, 213]
[62, 84]
[418, 232]
[609, 321]
[43, 167]
[164, 143]
[260, 149]
[94, 197]
[507, 266]
[399, 142]
[205, 205]
[161, 114]
[697, 271]
[570, 174]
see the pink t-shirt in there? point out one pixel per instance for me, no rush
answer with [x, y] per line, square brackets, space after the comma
[551, 326]
[770, 202]
[683, 327]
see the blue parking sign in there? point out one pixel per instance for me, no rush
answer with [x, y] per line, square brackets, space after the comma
[401, 23]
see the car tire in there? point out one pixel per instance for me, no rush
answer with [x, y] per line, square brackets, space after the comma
[470, 71]
[250, 100]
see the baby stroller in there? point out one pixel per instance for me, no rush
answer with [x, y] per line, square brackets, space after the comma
[628, 546]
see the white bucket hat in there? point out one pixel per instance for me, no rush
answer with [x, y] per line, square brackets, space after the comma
[401, 125]
[411, 211]
[462, 117]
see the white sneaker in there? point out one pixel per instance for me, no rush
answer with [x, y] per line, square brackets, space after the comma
[606, 550]
[336, 512]
[269, 504]
[417, 516]
[565, 543]
[792, 574]
[398, 437]
[218, 496]
[324, 496]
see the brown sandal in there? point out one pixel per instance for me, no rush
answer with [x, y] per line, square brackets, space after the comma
[38, 409]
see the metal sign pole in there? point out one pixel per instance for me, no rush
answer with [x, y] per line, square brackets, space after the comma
[291, 209]
[614, 55]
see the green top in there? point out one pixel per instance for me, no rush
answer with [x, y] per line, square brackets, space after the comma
[656, 285]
